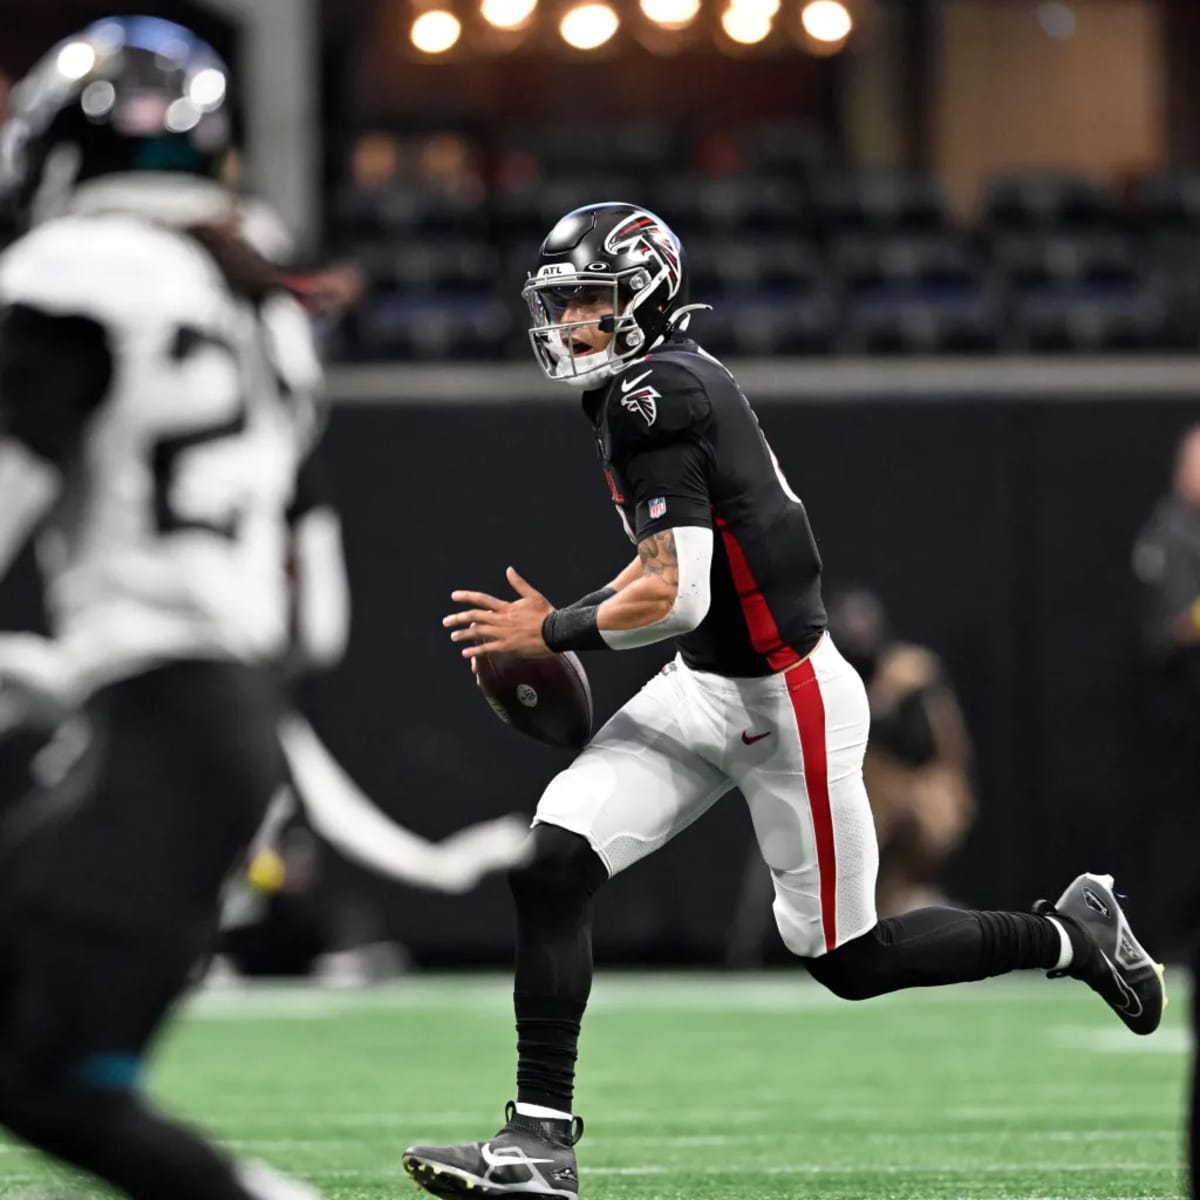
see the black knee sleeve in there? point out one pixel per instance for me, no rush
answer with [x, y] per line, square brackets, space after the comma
[561, 877]
[934, 946]
[853, 970]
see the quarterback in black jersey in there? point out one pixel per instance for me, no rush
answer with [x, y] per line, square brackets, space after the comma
[758, 698]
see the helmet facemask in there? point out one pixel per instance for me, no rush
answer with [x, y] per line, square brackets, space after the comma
[560, 355]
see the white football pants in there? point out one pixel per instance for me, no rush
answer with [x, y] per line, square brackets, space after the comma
[792, 742]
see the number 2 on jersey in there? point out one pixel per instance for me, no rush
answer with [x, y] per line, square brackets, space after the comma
[167, 457]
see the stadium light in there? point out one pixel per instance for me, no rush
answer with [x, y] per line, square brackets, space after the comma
[826, 21]
[507, 14]
[435, 31]
[588, 26]
[671, 14]
[745, 24]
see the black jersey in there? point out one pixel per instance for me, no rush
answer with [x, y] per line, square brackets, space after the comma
[680, 445]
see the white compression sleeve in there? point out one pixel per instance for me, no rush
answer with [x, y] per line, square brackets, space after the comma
[29, 487]
[694, 550]
[322, 590]
[342, 814]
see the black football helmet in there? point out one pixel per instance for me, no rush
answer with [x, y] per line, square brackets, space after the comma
[618, 249]
[126, 94]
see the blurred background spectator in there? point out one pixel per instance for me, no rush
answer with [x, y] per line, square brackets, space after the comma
[918, 761]
[1167, 564]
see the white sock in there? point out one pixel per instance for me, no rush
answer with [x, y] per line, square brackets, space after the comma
[1067, 952]
[541, 1112]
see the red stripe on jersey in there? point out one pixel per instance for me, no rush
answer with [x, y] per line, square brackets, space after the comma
[764, 633]
[805, 694]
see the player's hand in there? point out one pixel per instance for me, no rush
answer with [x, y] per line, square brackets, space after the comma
[492, 624]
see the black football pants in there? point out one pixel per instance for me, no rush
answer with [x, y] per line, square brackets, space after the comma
[109, 893]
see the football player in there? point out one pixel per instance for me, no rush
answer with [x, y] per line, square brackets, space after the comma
[158, 389]
[757, 698]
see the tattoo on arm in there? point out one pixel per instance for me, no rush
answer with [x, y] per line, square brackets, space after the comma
[659, 556]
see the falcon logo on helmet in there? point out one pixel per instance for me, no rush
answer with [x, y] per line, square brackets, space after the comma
[644, 234]
[616, 268]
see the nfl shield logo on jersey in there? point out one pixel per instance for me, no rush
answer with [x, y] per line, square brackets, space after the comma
[658, 506]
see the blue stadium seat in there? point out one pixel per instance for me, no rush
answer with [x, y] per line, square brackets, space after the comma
[910, 294]
[1082, 319]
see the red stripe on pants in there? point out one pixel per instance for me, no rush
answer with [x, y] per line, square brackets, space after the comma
[805, 694]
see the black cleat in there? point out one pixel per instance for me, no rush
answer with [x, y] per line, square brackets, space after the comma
[1108, 958]
[528, 1157]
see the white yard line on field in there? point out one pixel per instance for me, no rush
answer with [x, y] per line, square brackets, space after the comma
[1112, 1040]
[820, 1169]
[775, 991]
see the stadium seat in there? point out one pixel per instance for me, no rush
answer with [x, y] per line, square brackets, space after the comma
[1172, 264]
[936, 260]
[914, 294]
[769, 266]
[922, 322]
[792, 148]
[749, 325]
[432, 325]
[1170, 202]
[577, 147]
[695, 204]
[880, 202]
[1048, 200]
[529, 211]
[1034, 260]
[447, 264]
[1082, 319]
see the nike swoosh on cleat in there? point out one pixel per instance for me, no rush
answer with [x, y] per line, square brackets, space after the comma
[627, 385]
[503, 1158]
[1133, 1005]
[749, 739]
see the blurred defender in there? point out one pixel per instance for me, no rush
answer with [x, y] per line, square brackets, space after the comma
[759, 698]
[157, 397]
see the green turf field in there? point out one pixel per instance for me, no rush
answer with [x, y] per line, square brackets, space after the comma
[698, 1087]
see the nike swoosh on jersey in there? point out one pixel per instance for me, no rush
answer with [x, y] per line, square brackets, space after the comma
[749, 739]
[628, 385]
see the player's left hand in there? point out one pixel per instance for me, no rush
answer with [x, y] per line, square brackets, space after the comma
[494, 624]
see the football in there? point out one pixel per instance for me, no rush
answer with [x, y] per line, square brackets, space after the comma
[547, 698]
